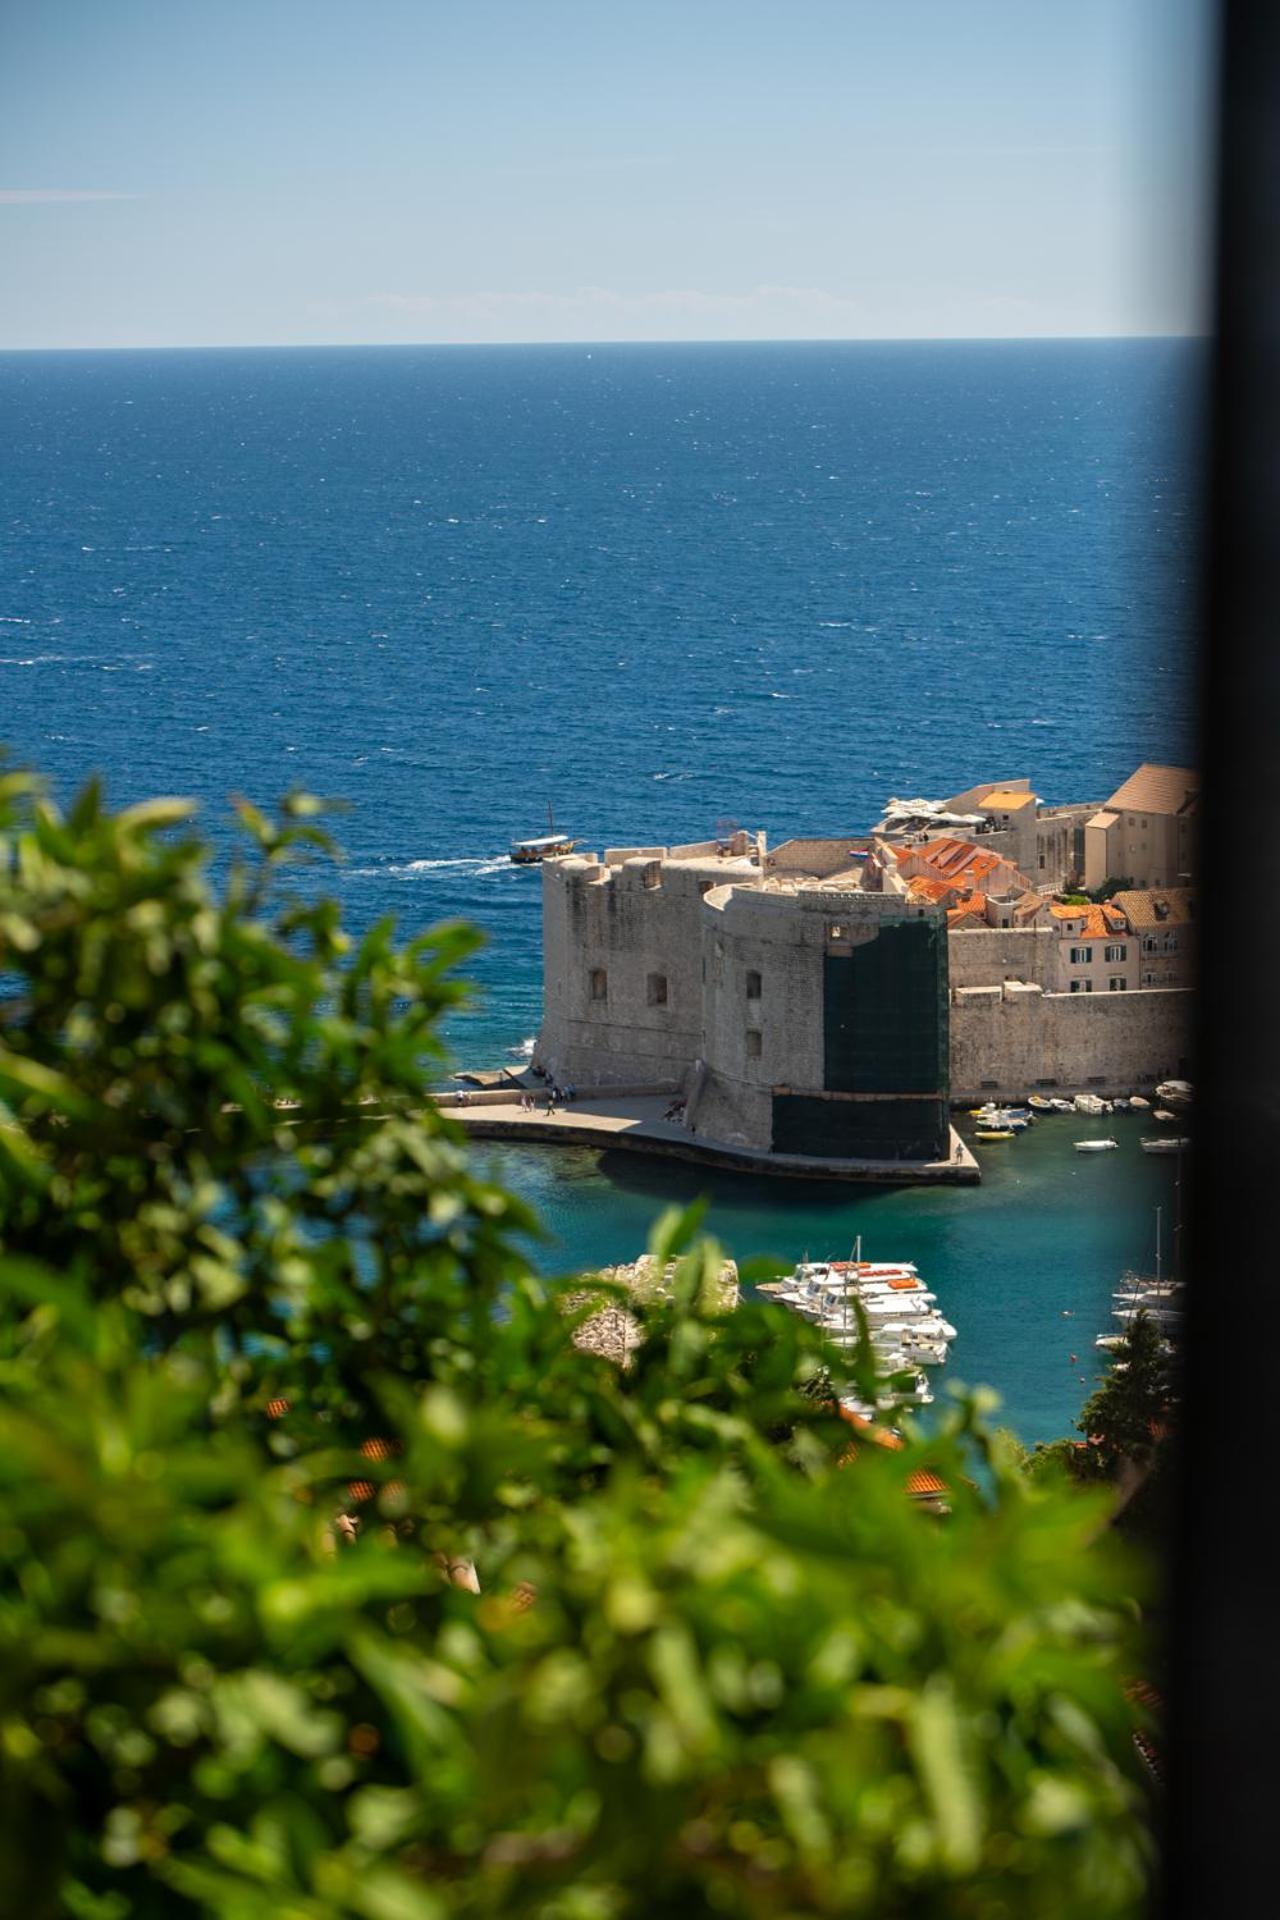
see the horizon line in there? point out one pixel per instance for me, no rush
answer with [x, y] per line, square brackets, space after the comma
[782, 340]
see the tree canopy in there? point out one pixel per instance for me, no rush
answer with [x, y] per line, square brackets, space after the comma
[250, 1280]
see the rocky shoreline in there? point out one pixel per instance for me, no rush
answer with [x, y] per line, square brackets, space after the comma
[615, 1333]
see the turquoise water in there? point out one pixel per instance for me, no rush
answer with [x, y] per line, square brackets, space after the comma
[661, 587]
[1023, 1265]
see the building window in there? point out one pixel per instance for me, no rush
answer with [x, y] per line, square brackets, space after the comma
[599, 984]
[1171, 943]
[753, 986]
[1081, 956]
[1082, 986]
[988, 1083]
[1096, 1080]
[1151, 944]
[1117, 953]
[1042, 863]
[753, 1043]
[657, 990]
[1115, 985]
[1046, 1083]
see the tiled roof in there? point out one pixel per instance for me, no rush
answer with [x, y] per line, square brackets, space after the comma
[1102, 819]
[1139, 907]
[950, 858]
[974, 908]
[924, 1484]
[1099, 923]
[1156, 789]
[1006, 799]
[927, 886]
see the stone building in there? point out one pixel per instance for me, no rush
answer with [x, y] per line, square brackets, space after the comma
[1163, 928]
[825, 997]
[1001, 816]
[800, 1011]
[1145, 833]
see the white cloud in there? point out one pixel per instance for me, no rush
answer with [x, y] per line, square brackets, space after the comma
[42, 196]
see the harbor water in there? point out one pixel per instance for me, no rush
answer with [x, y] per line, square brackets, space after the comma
[660, 588]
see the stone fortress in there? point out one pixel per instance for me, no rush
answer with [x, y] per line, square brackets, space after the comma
[799, 1011]
[832, 998]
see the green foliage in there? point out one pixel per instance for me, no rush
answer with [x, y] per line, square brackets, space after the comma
[1124, 1419]
[756, 1678]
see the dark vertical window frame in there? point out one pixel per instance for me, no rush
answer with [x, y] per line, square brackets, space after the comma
[1218, 1838]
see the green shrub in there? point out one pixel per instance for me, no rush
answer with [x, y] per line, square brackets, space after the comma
[236, 1244]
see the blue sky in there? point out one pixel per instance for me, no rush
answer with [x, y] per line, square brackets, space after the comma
[215, 172]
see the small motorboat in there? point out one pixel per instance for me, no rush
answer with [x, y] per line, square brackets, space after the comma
[987, 1134]
[1165, 1143]
[1089, 1103]
[1038, 1103]
[1060, 1105]
[1120, 1104]
[1137, 1101]
[1094, 1146]
[1174, 1093]
[1161, 1114]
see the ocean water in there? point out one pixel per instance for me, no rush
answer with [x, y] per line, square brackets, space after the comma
[658, 588]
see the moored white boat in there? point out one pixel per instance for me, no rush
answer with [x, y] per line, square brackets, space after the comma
[1165, 1143]
[1095, 1146]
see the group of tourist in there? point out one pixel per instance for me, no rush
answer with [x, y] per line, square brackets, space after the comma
[556, 1095]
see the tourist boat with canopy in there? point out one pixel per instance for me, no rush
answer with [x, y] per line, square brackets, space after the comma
[548, 846]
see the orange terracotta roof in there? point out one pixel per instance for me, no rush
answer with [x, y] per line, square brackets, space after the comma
[974, 908]
[921, 1483]
[950, 858]
[1006, 799]
[924, 1484]
[927, 886]
[1099, 923]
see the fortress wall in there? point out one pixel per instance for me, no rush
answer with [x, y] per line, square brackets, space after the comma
[985, 956]
[1071, 1043]
[773, 935]
[816, 857]
[784, 937]
[617, 923]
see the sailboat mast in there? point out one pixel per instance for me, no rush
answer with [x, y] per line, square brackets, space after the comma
[1159, 1211]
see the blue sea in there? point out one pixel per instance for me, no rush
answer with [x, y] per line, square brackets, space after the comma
[656, 588]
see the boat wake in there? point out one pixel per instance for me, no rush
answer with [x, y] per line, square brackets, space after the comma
[476, 868]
